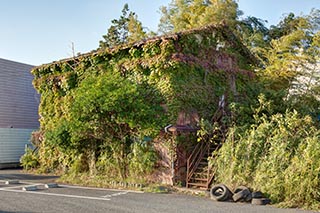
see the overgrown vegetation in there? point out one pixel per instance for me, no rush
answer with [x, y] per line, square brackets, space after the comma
[102, 111]
[29, 160]
[278, 154]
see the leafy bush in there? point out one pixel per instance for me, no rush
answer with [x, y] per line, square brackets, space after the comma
[279, 155]
[29, 160]
[142, 158]
[301, 178]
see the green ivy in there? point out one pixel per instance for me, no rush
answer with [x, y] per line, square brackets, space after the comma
[97, 104]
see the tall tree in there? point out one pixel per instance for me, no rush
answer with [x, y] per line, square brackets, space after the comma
[125, 29]
[135, 29]
[287, 25]
[187, 14]
[291, 63]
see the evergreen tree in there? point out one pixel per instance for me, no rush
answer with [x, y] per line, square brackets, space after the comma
[125, 29]
[135, 29]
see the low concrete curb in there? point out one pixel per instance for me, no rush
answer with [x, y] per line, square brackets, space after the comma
[11, 182]
[29, 188]
[51, 185]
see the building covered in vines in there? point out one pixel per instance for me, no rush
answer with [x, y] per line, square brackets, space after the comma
[124, 111]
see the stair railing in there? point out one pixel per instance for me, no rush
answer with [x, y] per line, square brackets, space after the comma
[210, 173]
[194, 159]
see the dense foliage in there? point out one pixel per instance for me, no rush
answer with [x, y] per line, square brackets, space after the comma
[279, 155]
[184, 14]
[101, 111]
[270, 147]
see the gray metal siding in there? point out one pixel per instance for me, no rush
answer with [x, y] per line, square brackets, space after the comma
[18, 99]
[12, 144]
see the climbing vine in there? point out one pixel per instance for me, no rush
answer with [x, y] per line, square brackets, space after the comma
[98, 105]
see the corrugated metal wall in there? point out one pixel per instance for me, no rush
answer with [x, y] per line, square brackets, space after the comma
[12, 144]
[18, 99]
[18, 109]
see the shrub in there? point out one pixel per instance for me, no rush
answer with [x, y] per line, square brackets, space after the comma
[142, 158]
[279, 155]
[29, 160]
[301, 181]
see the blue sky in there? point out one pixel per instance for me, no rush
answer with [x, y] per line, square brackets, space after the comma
[42, 31]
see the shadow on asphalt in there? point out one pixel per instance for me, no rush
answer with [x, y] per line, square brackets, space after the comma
[19, 174]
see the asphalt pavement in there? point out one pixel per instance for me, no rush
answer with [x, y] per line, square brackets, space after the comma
[15, 197]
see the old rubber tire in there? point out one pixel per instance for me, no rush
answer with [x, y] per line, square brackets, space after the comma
[257, 194]
[220, 192]
[260, 201]
[241, 193]
[240, 188]
[248, 198]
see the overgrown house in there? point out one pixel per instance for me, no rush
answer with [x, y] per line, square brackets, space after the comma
[195, 73]
[18, 110]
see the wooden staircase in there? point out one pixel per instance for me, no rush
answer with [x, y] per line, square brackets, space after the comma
[199, 173]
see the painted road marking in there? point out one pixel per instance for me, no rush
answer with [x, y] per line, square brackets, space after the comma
[19, 186]
[101, 189]
[104, 198]
[57, 195]
[116, 194]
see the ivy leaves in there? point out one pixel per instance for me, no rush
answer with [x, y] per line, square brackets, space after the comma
[109, 105]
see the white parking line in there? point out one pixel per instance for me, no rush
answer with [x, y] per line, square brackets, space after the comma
[116, 194]
[31, 183]
[57, 195]
[19, 186]
[104, 198]
[83, 187]
[101, 189]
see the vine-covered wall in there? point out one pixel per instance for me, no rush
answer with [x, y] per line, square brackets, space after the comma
[190, 69]
[184, 72]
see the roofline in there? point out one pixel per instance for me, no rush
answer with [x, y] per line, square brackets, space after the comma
[176, 35]
[17, 62]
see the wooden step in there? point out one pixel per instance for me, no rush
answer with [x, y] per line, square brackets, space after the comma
[203, 163]
[200, 175]
[200, 172]
[197, 184]
[202, 167]
[199, 179]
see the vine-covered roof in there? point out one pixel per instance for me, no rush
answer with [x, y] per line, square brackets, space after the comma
[225, 31]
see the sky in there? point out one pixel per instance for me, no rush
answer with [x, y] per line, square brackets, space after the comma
[41, 31]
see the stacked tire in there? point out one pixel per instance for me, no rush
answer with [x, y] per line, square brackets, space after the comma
[259, 199]
[242, 194]
[220, 192]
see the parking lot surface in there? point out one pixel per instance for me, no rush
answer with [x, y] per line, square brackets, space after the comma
[32, 193]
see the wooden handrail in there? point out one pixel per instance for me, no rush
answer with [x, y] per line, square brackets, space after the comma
[195, 158]
[202, 147]
[191, 160]
[210, 173]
